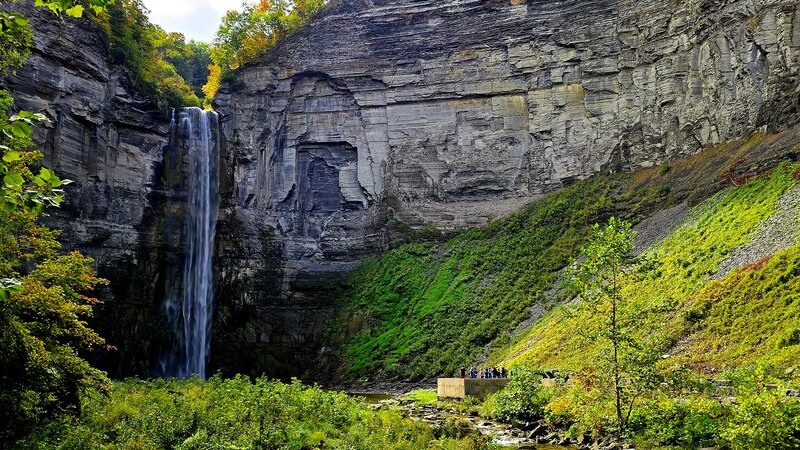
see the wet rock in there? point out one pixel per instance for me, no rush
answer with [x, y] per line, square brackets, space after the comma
[535, 432]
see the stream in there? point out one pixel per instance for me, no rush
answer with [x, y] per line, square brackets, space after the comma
[500, 433]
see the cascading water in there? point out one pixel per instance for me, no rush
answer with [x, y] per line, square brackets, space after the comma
[189, 303]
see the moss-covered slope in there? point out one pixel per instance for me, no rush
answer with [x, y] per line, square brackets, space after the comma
[426, 309]
[751, 316]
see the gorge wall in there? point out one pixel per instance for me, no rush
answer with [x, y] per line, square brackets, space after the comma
[412, 112]
[379, 116]
[125, 206]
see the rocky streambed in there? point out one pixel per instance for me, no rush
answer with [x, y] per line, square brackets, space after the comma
[450, 420]
[520, 436]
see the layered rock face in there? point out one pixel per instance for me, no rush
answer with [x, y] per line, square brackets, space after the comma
[455, 112]
[383, 114]
[110, 141]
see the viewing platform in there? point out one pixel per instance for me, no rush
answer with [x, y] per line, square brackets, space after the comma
[462, 387]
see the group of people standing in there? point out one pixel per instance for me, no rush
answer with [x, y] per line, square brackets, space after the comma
[489, 372]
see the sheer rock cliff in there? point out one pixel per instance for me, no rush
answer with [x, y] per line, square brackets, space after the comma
[383, 116]
[456, 112]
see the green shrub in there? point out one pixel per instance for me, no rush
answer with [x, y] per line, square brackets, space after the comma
[663, 189]
[685, 422]
[764, 417]
[764, 420]
[524, 397]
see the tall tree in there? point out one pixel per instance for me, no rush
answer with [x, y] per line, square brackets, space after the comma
[43, 305]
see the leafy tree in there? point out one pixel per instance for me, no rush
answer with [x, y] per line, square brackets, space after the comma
[524, 397]
[134, 44]
[245, 35]
[43, 305]
[190, 59]
[627, 353]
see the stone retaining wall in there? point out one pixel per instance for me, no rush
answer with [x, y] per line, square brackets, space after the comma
[475, 387]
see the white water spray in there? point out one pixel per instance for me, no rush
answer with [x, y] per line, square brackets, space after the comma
[190, 314]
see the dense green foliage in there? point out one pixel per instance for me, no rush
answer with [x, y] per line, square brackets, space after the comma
[427, 309]
[752, 315]
[712, 320]
[149, 54]
[524, 397]
[750, 412]
[246, 34]
[43, 306]
[190, 59]
[237, 413]
[747, 319]
[73, 8]
[15, 41]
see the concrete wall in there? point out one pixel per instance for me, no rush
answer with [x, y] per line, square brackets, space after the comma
[475, 387]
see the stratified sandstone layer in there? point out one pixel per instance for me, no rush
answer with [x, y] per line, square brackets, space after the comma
[455, 112]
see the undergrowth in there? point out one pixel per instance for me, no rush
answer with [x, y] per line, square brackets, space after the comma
[426, 309]
[749, 317]
[238, 413]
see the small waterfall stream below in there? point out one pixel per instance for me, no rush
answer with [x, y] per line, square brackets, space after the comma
[189, 307]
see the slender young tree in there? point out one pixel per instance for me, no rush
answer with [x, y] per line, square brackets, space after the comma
[627, 353]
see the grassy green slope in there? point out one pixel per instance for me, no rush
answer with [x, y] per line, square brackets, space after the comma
[426, 309]
[737, 321]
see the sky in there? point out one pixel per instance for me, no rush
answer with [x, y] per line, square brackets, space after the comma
[196, 19]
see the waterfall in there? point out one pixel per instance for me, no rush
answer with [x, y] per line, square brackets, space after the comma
[189, 303]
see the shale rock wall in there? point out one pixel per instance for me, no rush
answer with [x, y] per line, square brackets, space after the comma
[454, 112]
[110, 141]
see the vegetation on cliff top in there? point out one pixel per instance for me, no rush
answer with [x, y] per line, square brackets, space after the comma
[153, 57]
[245, 35]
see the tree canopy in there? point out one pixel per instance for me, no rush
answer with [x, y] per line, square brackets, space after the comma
[247, 34]
[149, 54]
